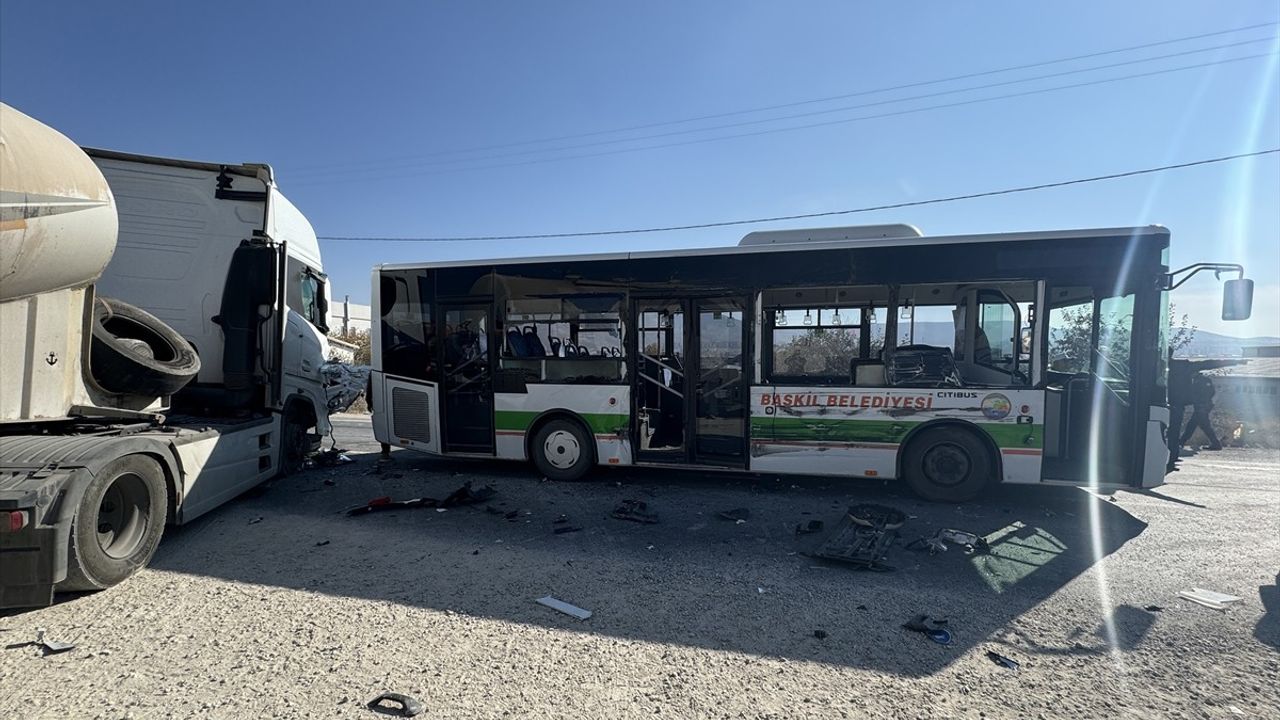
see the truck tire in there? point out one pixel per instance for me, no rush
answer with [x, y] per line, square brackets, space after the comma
[295, 441]
[133, 352]
[117, 524]
[947, 464]
[562, 450]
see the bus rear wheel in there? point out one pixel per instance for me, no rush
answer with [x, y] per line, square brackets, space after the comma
[562, 450]
[948, 464]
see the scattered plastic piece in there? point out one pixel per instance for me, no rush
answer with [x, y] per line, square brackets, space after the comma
[1209, 598]
[564, 607]
[405, 706]
[736, 514]
[322, 543]
[820, 634]
[566, 529]
[1001, 660]
[1153, 608]
[928, 627]
[635, 511]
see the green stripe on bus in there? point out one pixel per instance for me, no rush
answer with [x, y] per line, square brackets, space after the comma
[816, 430]
[520, 420]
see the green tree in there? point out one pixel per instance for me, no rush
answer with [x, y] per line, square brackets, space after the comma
[363, 342]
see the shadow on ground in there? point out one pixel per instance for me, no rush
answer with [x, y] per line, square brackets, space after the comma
[692, 579]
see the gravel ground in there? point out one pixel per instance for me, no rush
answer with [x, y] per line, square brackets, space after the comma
[279, 605]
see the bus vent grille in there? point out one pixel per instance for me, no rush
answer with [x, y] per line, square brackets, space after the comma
[411, 414]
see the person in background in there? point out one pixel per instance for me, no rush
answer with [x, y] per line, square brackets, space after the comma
[1179, 396]
[1202, 392]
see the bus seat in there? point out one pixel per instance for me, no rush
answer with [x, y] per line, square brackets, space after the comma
[516, 343]
[533, 343]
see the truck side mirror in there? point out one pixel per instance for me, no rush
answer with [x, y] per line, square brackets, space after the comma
[1237, 299]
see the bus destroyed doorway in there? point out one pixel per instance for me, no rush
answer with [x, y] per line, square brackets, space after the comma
[468, 380]
[690, 386]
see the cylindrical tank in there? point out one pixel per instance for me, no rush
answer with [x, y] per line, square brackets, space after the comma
[57, 215]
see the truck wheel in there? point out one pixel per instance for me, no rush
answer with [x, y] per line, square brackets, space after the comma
[296, 442]
[117, 525]
[562, 450]
[946, 464]
[134, 352]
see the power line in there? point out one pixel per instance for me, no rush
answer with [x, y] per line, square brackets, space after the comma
[770, 131]
[799, 103]
[795, 116]
[777, 218]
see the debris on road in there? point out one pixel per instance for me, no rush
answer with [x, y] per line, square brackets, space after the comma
[936, 543]
[331, 458]
[1001, 660]
[809, 528]
[930, 628]
[1209, 598]
[322, 543]
[462, 496]
[405, 706]
[255, 521]
[48, 647]
[1154, 608]
[863, 537]
[736, 514]
[820, 634]
[566, 529]
[564, 607]
[560, 520]
[635, 511]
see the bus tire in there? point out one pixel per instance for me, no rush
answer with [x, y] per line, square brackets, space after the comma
[117, 524]
[563, 450]
[948, 464]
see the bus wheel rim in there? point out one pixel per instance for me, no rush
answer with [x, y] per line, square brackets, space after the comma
[123, 515]
[947, 464]
[562, 449]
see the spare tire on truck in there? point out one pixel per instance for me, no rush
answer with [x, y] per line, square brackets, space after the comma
[134, 352]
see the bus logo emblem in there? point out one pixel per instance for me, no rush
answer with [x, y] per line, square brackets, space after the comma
[996, 406]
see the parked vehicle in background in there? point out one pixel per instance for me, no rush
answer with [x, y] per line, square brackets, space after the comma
[164, 331]
[950, 362]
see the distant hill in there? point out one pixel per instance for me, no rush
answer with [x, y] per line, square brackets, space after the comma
[1204, 344]
[1211, 344]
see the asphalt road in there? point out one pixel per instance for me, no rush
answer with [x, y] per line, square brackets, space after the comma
[280, 605]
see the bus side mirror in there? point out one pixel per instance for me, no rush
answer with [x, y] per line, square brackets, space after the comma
[1237, 299]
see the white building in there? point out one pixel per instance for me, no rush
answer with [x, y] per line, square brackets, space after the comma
[346, 316]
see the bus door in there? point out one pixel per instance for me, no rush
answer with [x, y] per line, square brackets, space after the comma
[720, 393]
[467, 379]
[690, 392]
[1089, 416]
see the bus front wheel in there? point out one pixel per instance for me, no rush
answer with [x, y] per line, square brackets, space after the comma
[947, 464]
[562, 450]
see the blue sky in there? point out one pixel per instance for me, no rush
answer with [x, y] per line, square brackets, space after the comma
[351, 103]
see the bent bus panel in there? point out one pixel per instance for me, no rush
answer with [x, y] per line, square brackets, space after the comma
[1026, 357]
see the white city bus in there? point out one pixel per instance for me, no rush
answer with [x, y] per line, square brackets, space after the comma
[950, 362]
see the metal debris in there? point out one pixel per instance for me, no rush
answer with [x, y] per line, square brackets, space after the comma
[863, 537]
[564, 607]
[462, 496]
[1001, 660]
